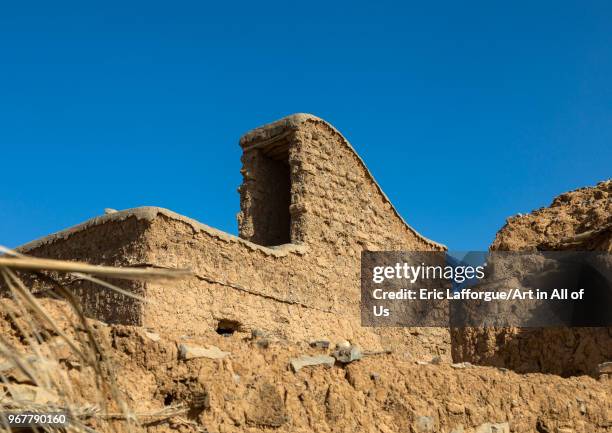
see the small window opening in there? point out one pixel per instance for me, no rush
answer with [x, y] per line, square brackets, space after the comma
[228, 327]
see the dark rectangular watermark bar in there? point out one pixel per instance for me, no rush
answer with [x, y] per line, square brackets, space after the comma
[486, 289]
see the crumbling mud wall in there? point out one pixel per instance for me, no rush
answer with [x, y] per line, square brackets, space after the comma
[111, 240]
[579, 220]
[247, 385]
[309, 207]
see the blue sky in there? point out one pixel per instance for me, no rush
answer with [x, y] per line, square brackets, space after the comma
[465, 112]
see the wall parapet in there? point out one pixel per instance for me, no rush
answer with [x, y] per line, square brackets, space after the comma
[268, 134]
[149, 213]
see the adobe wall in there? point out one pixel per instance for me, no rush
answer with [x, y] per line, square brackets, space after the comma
[111, 240]
[579, 220]
[303, 289]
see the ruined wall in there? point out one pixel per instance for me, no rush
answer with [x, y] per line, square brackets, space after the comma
[110, 240]
[305, 289]
[578, 220]
[310, 289]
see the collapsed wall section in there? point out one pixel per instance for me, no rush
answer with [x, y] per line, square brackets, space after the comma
[579, 220]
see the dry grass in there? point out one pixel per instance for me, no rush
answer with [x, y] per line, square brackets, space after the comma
[38, 368]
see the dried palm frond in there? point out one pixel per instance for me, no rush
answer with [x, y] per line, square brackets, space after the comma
[29, 368]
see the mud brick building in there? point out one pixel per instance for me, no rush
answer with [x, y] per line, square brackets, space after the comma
[309, 206]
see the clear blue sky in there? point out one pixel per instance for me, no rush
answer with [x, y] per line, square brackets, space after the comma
[465, 112]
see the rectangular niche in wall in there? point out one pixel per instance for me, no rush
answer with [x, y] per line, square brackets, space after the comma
[272, 195]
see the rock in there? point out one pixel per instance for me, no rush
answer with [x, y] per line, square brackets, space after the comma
[436, 360]
[152, 336]
[306, 361]
[190, 352]
[264, 343]
[493, 428]
[108, 210]
[422, 363]
[348, 354]
[459, 365]
[257, 333]
[343, 344]
[605, 368]
[424, 424]
[320, 344]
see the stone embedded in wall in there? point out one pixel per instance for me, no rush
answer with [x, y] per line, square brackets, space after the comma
[188, 351]
[309, 361]
[605, 368]
[347, 354]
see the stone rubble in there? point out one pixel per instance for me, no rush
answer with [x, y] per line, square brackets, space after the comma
[347, 354]
[187, 352]
[308, 361]
[460, 365]
[424, 424]
[285, 389]
[605, 368]
[320, 344]
[153, 336]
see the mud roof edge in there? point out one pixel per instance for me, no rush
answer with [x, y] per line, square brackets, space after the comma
[149, 213]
